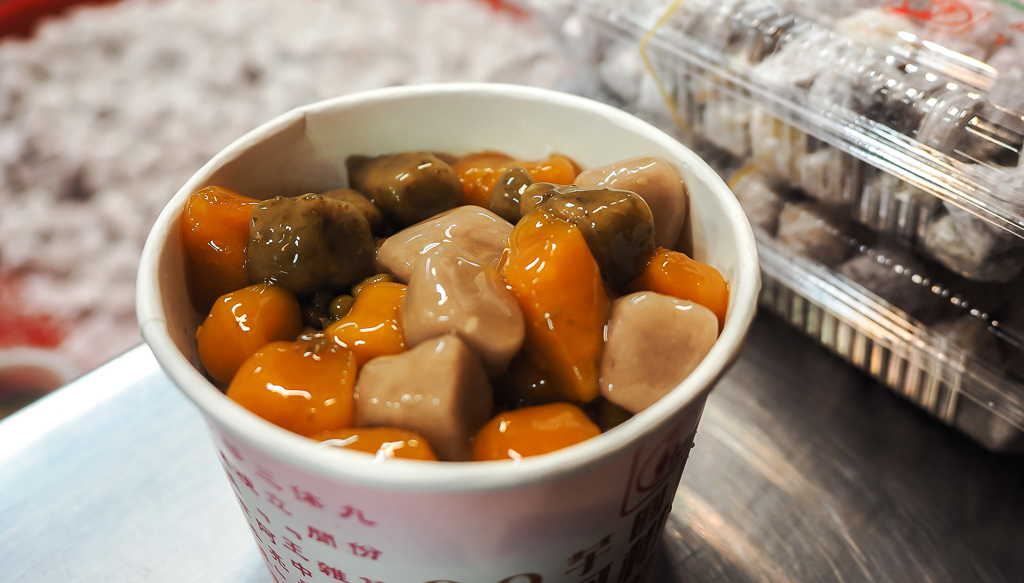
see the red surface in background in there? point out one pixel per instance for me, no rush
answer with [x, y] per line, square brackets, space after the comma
[20, 17]
[18, 327]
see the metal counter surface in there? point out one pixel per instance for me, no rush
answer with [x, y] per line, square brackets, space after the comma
[803, 470]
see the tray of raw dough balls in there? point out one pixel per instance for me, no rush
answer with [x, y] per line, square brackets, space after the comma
[875, 147]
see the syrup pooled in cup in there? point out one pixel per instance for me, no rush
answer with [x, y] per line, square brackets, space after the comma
[454, 309]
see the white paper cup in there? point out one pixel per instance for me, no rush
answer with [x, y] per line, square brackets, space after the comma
[590, 513]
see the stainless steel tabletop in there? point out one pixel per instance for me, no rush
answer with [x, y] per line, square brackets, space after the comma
[803, 470]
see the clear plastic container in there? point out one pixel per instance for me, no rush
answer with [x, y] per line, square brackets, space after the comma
[885, 139]
[913, 360]
[820, 94]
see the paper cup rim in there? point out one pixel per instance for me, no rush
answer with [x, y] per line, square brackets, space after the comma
[224, 414]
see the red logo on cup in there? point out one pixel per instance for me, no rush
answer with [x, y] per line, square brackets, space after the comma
[952, 15]
[653, 466]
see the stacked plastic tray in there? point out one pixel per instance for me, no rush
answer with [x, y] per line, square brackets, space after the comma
[876, 147]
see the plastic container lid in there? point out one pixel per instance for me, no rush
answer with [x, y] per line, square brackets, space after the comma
[927, 90]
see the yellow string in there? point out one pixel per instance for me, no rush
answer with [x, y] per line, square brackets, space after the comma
[654, 75]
